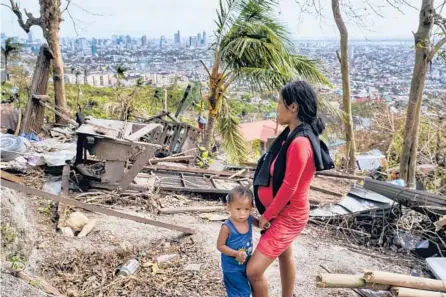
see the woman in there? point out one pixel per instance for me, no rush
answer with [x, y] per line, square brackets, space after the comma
[281, 184]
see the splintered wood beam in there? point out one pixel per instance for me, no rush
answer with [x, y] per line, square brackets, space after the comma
[94, 208]
[136, 168]
[11, 177]
[143, 131]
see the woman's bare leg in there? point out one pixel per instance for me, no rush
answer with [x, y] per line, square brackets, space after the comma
[256, 268]
[287, 272]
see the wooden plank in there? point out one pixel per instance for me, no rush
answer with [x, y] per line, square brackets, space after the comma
[94, 208]
[11, 177]
[237, 173]
[191, 209]
[128, 127]
[191, 170]
[171, 159]
[136, 168]
[193, 190]
[60, 114]
[141, 132]
[61, 207]
[325, 191]
[340, 175]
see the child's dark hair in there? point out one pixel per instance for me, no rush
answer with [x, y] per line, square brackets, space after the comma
[239, 191]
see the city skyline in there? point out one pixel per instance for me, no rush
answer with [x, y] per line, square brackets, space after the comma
[154, 19]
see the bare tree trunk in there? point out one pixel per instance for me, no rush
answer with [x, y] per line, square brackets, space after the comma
[58, 73]
[346, 102]
[422, 53]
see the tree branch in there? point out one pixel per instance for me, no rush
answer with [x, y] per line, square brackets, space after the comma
[436, 48]
[441, 23]
[31, 21]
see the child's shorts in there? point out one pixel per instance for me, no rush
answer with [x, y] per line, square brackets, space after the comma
[237, 284]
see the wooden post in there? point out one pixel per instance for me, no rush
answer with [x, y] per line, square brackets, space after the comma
[34, 115]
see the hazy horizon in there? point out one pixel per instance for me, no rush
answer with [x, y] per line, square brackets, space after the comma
[153, 19]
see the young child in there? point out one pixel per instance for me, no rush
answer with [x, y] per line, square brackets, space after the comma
[235, 242]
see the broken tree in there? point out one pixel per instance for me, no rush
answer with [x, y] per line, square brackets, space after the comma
[424, 54]
[49, 20]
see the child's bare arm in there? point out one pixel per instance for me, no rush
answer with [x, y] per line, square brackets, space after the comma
[240, 256]
[221, 242]
[255, 221]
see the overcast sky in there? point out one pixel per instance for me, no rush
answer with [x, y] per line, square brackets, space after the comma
[164, 17]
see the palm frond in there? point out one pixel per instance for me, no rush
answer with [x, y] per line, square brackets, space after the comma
[258, 44]
[308, 69]
[233, 141]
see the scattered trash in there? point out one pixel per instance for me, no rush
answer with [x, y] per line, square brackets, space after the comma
[166, 258]
[31, 136]
[52, 187]
[131, 266]
[12, 146]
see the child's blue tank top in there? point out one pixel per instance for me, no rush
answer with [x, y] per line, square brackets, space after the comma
[236, 241]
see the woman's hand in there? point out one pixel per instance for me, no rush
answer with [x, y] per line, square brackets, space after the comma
[263, 224]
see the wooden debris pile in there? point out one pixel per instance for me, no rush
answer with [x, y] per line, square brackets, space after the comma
[396, 284]
[385, 215]
[190, 273]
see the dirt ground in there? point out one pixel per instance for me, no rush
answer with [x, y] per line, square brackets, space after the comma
[70, 263]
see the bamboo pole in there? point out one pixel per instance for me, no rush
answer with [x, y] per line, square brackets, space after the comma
[406, 292]
[400, 280]
[347, 281]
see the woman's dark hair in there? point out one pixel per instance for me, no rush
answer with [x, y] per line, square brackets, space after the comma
[301, 93]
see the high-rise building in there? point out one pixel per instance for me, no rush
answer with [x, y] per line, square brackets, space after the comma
[193, 41]
[30, 37]
[144, 40]
[177, 37]
[128, 39]
[94, 41]
[115, 39]
[198, 39]
[204, 40]
[94, 49]
[162, 41]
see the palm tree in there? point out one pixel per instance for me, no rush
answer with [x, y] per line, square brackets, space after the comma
[250, 46]
[120, 73]
[8, 50]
